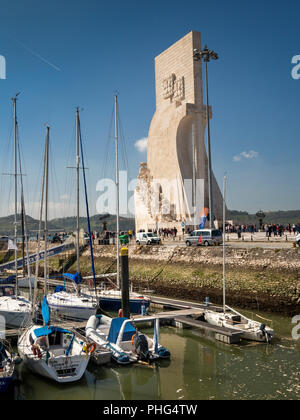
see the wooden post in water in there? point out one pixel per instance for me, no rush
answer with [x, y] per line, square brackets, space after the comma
[125, 282]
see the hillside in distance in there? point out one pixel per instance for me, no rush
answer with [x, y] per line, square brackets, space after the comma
[67, 224]
[277, 217]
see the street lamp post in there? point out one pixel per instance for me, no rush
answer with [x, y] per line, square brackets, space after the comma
[206, 55]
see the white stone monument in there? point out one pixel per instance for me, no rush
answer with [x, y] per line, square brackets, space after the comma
[167, 194]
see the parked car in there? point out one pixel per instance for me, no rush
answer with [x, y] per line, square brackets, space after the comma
[147, 238]
[298, 240]
[205, 237]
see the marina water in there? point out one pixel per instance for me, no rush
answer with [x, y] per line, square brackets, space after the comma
[198, 369]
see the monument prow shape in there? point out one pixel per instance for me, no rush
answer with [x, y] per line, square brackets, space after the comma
[176, 145]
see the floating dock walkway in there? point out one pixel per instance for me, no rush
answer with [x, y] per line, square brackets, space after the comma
[183, 319]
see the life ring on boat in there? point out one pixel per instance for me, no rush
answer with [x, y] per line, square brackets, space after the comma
[36, 351]
[91, 348]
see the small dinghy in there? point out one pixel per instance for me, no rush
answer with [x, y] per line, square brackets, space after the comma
[125, 342]
[7, 367]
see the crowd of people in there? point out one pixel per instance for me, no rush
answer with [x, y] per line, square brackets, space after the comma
[271, 229]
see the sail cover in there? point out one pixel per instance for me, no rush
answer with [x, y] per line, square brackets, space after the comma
[45, 311]
[115, 328]
[76, 278]
[45, 331]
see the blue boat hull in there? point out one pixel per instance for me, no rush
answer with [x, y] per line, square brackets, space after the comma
[114, 304]
[4, 384]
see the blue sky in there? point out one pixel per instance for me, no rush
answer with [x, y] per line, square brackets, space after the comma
[63, 54]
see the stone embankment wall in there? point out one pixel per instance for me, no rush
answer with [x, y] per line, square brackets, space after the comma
[257, 278]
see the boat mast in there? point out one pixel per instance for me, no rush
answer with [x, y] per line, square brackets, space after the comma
[77, 189]
[16, 194]
[117, 191]
[224, 252]
[194, 173]
[46, 212]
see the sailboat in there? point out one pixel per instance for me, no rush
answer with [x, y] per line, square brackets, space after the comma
[230, 318]
[50, 351]
[15, 309]
[7, 367]
[111, 299]
[74, 304]
[126, 343]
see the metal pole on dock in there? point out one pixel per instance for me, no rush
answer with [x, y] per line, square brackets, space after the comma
[125, 282]
[224, 249]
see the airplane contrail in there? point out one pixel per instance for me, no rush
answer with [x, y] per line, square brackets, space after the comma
[35, 54]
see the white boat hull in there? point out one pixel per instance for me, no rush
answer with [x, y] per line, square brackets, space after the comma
[250, 331]
[71, 306]
[41, 368]
[59, 367]
[16, 312]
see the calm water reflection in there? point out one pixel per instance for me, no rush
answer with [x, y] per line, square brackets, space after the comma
[199, 369]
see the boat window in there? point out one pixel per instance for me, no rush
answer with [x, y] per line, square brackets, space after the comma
[55, 339]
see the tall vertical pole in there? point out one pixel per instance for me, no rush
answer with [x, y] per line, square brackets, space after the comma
[117, 191]
[194, 173]
[77, 189]
[224, 249]
[46, 212]
[125, 283]
[16, 194]
[210, 192]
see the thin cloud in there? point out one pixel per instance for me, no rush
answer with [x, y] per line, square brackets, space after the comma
[245, 155]
[141, 145]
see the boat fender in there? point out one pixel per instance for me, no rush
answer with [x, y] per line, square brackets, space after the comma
[91, 348]
[36, 351]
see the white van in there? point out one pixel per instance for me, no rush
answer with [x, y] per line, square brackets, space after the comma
[147, 238]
